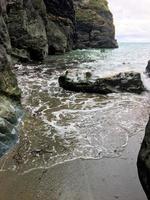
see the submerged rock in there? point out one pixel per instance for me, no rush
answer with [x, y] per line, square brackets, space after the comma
[122, 82]
[143, 162]
[95, 27]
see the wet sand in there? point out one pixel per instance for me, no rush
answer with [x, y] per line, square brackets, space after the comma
[46, 139]
[105, 179]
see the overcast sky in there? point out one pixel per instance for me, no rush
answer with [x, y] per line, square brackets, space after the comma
[132, 19]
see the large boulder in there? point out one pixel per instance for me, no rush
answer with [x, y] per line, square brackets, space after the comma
[143, 162]
[94, 24]
[122, 82]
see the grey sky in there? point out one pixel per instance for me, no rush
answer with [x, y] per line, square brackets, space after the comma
[132, 19]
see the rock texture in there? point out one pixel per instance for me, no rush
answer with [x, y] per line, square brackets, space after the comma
[124, 82]
[143, 162]
[26, 29]
[41, 27]
[8, 82]
[60, 25]
[95, 27]
[9, 91]
[148, 68]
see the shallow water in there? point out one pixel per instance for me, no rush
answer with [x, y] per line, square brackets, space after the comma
[61, 125]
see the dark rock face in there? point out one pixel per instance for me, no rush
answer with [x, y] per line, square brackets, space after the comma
[60, 25]
[8, 82]
[55, 7]
[9, 91]
[27, 30]
[41, 27]
[148, 68]
[124, 82]
[95, 27]
[143, 162]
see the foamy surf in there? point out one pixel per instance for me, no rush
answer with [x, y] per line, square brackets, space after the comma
[62, 125]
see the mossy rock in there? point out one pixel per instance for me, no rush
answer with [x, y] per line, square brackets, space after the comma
[88, 16]
[8, 84]
[99, 5]
[95, 27]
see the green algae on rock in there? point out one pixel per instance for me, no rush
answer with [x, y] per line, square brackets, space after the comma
[95, 27]
[8, 84]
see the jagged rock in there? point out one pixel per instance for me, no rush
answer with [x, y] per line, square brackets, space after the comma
[95, 27]
[123, 82]
[143, 162]
[8, 89]
[8, 81]
[148, 68]
[60, 25]
[55, 7]
[8, 135]
[8, 84]
[27, 29]
[41, 27]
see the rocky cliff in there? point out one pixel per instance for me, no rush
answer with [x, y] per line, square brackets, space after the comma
[143, 162]
[38, 27]
[9, 91]
[41, 27]
[26, 29]
[60, 25]
[94, 24]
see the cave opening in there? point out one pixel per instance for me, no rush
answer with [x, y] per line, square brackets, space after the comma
[51, 50]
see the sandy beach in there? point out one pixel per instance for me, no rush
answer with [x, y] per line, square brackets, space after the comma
[105, 179]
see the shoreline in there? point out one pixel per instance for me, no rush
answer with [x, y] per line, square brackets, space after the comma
[108, 178]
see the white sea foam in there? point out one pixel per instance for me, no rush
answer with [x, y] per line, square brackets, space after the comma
[82, 125]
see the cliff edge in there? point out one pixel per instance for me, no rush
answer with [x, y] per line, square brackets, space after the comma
[94, 24]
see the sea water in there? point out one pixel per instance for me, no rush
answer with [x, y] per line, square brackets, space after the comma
[61, 125]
